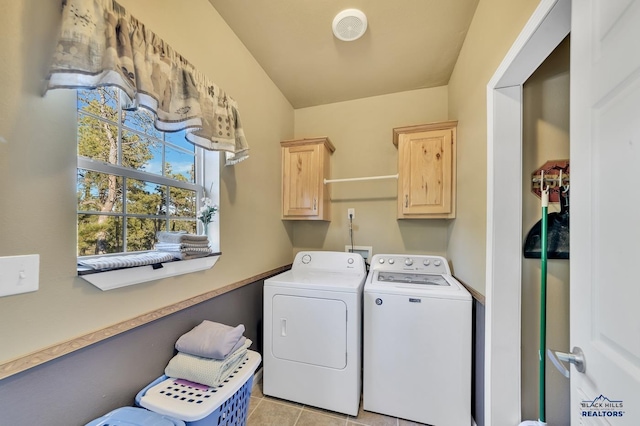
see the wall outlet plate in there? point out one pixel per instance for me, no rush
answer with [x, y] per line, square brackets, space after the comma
[351, 214]
[19, 274]
[365, 251]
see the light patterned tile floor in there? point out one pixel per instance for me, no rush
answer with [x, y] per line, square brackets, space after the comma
[268, 411]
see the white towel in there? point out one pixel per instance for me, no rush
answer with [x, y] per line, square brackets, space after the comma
[180, 246]
[179, 237]
[126, 260]
[188, 255]
[206, 371]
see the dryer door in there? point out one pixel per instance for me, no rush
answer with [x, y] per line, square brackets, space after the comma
[310, 330]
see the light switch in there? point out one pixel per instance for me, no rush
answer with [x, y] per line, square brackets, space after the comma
[19, 274]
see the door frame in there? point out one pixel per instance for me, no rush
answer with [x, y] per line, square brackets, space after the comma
[548, 26]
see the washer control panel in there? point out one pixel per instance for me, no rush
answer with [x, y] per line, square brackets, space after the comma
[411, 262]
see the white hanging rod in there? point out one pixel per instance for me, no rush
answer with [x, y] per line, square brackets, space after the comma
[326, 181]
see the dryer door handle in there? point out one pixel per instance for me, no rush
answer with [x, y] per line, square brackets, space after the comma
[283, 327]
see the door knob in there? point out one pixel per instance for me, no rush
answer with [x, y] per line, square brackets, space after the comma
[575, 357]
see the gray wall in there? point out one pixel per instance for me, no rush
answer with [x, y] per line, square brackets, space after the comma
[84, 385]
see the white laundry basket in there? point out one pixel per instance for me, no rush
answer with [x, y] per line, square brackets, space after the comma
[200, 405]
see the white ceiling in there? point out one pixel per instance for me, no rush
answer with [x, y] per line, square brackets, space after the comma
[409, 44]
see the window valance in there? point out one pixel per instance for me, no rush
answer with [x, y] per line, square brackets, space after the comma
[101, 44]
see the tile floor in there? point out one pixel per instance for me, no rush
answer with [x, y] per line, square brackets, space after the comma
[268, 411]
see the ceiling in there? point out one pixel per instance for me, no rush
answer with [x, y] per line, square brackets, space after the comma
[408, 45]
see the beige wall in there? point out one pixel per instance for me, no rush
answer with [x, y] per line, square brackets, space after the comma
[37, 167]
[356, 126]
[546, 137]
[495, 26]
[361, 131]
[37, 174]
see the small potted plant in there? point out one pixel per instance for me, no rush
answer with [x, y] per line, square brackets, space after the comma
[206, 213]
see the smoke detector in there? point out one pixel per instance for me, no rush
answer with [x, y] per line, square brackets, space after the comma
[349, 25]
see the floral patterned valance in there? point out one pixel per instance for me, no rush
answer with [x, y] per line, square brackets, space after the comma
[101, 44]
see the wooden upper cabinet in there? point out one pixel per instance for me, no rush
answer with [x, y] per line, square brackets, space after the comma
[426, 170]
[305, 165]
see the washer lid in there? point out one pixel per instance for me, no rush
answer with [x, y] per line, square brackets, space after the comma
[412, 284]
[319, 280]
[412, 278]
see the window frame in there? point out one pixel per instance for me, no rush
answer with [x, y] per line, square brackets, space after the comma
[207, 175]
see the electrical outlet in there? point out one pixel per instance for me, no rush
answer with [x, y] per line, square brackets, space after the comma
[351, 214]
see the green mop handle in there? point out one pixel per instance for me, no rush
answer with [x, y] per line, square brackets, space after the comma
[543, 298]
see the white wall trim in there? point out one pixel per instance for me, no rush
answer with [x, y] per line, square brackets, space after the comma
[547, 27]
[118, 278]
[504, 231]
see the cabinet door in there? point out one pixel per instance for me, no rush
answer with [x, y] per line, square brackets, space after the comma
[426, 174]
[301, 175]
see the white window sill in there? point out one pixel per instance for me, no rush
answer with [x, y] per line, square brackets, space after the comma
[108, 280]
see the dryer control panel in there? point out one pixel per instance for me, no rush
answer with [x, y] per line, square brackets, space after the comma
[330, 261]
[415, 263]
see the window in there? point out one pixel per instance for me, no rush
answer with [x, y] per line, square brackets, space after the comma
[132, 180]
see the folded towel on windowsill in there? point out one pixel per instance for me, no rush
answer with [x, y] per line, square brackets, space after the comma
[179, 237]
[180, 246]
[186, 255]
[126, 260]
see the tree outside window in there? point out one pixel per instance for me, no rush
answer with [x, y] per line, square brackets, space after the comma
[133, 180]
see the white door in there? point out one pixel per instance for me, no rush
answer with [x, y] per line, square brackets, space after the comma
[310, 330]
[605, 210]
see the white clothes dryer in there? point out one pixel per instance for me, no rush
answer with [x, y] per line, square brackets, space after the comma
[312, 331]
[417, 341]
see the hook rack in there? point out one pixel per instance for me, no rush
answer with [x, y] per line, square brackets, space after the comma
[553, 181]
[552, 175]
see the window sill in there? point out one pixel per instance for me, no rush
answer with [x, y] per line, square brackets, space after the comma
[108, 280]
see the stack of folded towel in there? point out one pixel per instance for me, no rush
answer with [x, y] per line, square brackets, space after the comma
[209, 353]
[182, 245]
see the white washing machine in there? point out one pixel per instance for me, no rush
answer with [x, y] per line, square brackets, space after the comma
[417, 341]
[312, 331]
